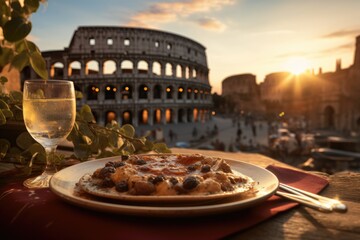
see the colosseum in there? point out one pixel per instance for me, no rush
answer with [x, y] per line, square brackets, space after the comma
[133, 75]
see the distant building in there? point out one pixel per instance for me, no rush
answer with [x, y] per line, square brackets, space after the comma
[324, 100]
[244, 92]
[134, 75]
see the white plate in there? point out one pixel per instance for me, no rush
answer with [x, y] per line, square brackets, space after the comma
[63, 184]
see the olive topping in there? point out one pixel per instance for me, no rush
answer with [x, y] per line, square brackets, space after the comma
[106, 171]
[107, 182]
[205, 168]
[122, 186]
[173, 181]
[190, 183]
[140, 162]
[109, 164]
[158, 179]
[118, 164]
[191, 168]
[125, 157]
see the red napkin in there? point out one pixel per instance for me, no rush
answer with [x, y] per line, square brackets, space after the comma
[40, 214]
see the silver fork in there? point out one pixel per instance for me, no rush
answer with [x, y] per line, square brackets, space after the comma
[312, 200]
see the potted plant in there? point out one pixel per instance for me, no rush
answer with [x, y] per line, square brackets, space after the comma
[89, 139]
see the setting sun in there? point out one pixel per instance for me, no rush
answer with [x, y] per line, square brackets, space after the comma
[297, 65]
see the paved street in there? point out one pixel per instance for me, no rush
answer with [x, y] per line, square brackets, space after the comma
[202, 137]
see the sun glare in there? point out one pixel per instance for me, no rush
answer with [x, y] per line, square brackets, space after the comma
[297, 65]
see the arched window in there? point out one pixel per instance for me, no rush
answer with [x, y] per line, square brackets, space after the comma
[110, 116]
[157, 116]
[126, 117]
[126, 92]
[92, 67]
[92, 92]
[144, 116]
[127, 66]
[196, 114]
[169, 115]
[189, 115]
[178, 71]
[180, 92]
[188, 93]
[110, 92]
[194, 73]
[168, 69]
[187, 72]
[157, 92]
[74, 68]
[143, 91]
[181, 116]
[142, 67]
[196, 93]
[57, 70]
[156, 68]
[109, 67]
[169, 92]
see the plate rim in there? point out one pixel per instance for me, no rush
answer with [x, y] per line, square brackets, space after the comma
[68, 195]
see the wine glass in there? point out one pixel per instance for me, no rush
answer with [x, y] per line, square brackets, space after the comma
[49, 111]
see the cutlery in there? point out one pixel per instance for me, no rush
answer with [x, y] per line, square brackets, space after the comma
[312, 200]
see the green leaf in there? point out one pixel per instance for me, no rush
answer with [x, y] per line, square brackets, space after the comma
[16, 96]
[16, 29]
[6, 54]
[2, 118]
[161, 148]
[87, 114]
[78, 95]
[38, 64]
[31, 46]
[32, 5]
[128, 130]
[7, 113]
[24, 140]
[20, 61]
[3, 104]
[4, 147]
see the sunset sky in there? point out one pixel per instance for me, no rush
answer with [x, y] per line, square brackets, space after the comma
[240, 36]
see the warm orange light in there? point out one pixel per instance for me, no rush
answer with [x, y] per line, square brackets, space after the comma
[114, 89]
[297, 65]
[145, 89]
[189, 90]
[168, 89]
[108, 88]
[97, 89]
[126, 88]
[181, 89]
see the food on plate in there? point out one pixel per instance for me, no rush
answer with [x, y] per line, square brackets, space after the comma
[165, 175]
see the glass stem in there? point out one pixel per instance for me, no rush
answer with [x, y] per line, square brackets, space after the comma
[50, 167]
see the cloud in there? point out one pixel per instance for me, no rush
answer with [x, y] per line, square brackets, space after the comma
[343, 33]
[211, 24]
[164, 12]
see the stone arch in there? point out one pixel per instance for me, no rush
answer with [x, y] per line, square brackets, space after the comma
[143, 67]
[169, 115]
[127, 66]
[187, 72]
[74, 68]
[110, 92]
[92, 92]
[143, 91]
[157, 91]
[188, 93]
[126, 92]
[110, 116]
[180, 92]
[156, 68]
[157, 116]
[126, 117]
[168, 69]
[92, 67]
[196, 93]
[195, 115]
[178, 71]
[109, 67]
[143, 116]
[329, 117]
[169, 92]
[57, 70]
[181, 115]
[189, 115]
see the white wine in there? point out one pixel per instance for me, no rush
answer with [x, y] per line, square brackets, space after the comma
[49, 121]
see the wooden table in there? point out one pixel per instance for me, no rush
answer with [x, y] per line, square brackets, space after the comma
[299, 222]
[302, 222]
